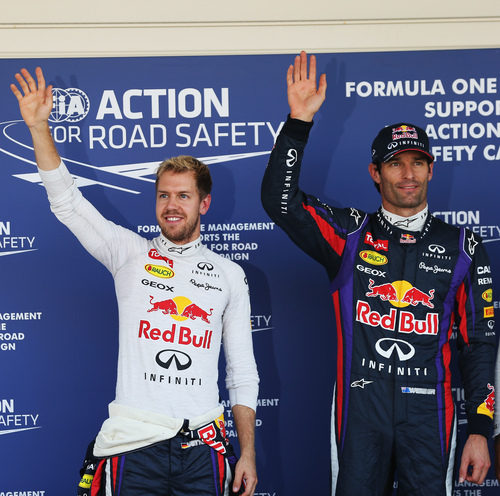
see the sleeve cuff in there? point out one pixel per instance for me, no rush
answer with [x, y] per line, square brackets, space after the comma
[297, 129]
[479, 424]
[244, 395]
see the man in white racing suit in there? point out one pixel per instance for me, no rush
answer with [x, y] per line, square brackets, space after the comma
[178, 302]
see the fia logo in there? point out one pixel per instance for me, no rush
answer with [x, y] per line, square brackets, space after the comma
[70, 105]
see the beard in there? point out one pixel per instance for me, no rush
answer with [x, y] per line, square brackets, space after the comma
[181, 235]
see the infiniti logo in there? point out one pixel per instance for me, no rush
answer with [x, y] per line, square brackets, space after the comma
[181, 360]
[436, 249]
[392, 145]
[386, 347]
[205, 266]
[292, 157]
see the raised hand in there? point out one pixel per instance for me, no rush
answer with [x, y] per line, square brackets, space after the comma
[304, 97]
[36, 102]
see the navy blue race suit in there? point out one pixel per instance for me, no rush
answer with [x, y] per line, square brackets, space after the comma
[396, 296]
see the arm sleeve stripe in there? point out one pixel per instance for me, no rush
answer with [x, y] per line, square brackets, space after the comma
[332, 238]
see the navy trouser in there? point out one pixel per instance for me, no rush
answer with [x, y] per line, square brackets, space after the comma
[175, 467]
[393, 429]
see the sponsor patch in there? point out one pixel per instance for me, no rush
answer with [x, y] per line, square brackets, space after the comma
[488, 312]
[417, 390]
[378, 244]
[159, 271]
[488, 405]
[86, 481]
[407, 238]
[372, 257]
[487, 295]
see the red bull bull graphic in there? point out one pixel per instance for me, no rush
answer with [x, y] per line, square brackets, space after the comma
[407, 323]
[379, 244]
[372, 257]
[384, 291]
[156, 256]
[414, 296]
[488, 406]
[168, 307]
[175, 334]
[180, 308]
[400, 294]
[193, 312]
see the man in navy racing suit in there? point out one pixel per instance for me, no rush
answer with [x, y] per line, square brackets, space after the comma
[399, 279]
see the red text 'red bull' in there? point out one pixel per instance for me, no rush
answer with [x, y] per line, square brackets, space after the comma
[407, 323]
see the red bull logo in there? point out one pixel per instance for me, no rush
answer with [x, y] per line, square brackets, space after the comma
[193, 311]
[407, 238]
[379, 244]
[400, 294]
[168, 307]
[414, 296]
[488, 406]
[403, 129]
[159, 271]
[385, 292]
[404, 132]
[208, 435]
[156, 256]
[372, 257]
[180, 308]
[181, 335]
[407, 321]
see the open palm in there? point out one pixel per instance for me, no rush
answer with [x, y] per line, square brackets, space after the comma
[36, 102]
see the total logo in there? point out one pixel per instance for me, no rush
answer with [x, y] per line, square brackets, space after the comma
[156, 256]
[180, 308]
[379, 244]
[69, 105]
[400, 294]
[372, 257]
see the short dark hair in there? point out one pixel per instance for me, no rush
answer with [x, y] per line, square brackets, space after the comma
[186, 163]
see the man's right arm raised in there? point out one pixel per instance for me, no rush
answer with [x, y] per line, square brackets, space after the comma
[102, 238]
[35, 104]
[312, 225]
